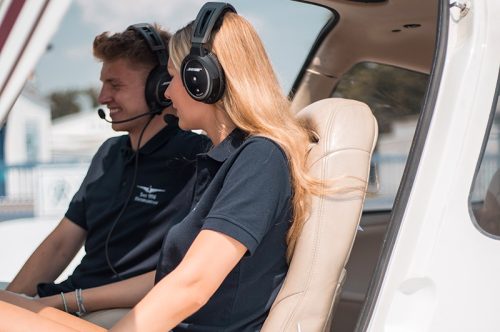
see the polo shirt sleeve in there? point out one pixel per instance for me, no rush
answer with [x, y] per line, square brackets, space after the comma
[255, 194]
[77, 206]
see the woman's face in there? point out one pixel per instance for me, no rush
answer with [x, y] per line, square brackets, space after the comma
[191, 113]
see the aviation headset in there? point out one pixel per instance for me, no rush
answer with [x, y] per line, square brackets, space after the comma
[201, 72]
[158, 78]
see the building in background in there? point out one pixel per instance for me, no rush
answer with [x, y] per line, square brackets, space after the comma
[45, 160]
[76, 137]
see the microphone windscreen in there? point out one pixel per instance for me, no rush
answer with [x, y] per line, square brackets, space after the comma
[101, 113]
[171, 119]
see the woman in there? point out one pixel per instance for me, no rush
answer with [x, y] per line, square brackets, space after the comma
[222, 266]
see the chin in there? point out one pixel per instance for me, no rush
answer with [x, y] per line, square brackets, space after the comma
[119, 127]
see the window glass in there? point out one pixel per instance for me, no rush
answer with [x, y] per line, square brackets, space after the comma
[53, 129]
[288, 30]
[32, 139]
[395, 97]
[485, 194]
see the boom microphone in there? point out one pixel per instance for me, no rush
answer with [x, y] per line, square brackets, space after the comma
[102, 115]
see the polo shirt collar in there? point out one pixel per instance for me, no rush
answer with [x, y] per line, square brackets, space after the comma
[226, 148]
[157, 140]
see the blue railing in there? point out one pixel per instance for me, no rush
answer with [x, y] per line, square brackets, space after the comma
[20, 192]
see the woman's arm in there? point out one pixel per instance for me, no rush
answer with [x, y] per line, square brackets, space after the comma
[21, 314]
[123, 294]
[186, 289]
[39, 318]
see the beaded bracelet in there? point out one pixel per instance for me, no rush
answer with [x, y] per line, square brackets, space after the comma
[79, 303]
[65, 304]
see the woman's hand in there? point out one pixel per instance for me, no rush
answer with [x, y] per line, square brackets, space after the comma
[20, 300]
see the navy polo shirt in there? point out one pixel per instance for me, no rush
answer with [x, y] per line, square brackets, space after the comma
[242, 189]
[166, 163]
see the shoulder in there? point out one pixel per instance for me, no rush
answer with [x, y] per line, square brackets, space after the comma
[262, 148]
[110, 146]
[112, 142]
[258, 158]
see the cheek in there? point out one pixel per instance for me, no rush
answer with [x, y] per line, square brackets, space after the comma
[180, 95]
[174, 89]
[189, 113]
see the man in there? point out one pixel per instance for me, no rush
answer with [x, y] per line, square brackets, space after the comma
[132, 193]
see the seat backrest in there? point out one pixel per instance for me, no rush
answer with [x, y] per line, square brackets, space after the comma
[347, 133]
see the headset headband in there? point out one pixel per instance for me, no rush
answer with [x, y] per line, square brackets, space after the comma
[153, 39]
[201, 72]
[208, 16]
[158, 78]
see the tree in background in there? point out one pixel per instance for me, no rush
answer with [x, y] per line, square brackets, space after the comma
[70, 101]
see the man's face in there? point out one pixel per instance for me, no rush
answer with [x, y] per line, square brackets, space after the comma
[123, 93]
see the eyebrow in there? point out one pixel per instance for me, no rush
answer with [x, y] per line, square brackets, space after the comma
[111, 80]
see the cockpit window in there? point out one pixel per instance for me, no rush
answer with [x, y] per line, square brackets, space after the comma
[395, 96]
[484, 199]
[288, 29]
[53, 129]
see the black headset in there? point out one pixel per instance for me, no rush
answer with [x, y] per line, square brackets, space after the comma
[201, 72]
[158, 78]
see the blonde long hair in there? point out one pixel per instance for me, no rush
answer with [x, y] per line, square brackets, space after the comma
[256, 104]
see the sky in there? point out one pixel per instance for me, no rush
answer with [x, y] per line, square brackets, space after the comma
[287, 28]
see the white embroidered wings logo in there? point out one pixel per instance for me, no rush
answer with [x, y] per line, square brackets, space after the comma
[148, 195]
[151, 190]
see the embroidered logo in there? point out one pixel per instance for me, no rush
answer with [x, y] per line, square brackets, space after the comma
[148, 195]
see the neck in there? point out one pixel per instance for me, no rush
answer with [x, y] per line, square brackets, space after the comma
[221, 128]
[152, 129]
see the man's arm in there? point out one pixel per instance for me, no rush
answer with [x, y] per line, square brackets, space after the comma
[122, 294]
[50, 258]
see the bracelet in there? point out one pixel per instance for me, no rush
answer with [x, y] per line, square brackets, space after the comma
[79, 303]
[64, 302]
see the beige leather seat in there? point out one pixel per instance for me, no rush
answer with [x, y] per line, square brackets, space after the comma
[347, 133]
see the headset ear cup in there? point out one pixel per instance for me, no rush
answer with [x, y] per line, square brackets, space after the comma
[218, 79]
[203, 78]
[156, 85]
[195, 77]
